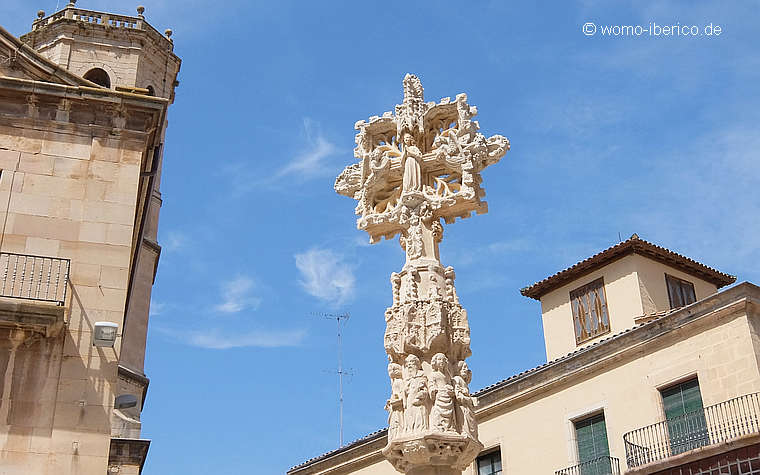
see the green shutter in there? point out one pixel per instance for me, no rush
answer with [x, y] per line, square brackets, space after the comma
[687, 428]
[681, 399]
[591, 434]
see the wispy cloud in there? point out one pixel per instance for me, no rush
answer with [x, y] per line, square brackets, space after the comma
[223, 340]
[312, 159]
[174, 241]
[237, 295]
[326, 275]
[310, 162]
[157, 308]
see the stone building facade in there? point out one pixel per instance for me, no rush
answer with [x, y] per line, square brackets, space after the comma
[83, 104]
[652, 369]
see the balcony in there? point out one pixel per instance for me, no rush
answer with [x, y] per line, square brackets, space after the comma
[33, 277]
[33, 292]
[605, 465]
[709, 426]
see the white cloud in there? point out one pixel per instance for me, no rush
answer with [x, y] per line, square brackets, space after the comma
[325, 275]
[174, 241]
[310, 162]
[237, 295]
[156, 308]
[217, 340]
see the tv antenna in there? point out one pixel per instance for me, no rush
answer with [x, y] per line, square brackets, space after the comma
[341, 372]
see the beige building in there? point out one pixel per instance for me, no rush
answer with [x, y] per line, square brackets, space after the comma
[652, 369]
[83, 104]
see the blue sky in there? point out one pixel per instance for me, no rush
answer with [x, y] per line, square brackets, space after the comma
[610, 136]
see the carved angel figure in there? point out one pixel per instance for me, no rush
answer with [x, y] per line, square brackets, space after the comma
[415, 397]
[410, 162]
[465, 403]
[442, 394]
[395, 405]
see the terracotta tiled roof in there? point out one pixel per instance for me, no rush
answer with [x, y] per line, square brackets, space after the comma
[634, 245]
[367, 438]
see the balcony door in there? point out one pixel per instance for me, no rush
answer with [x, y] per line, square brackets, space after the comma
[593, 449]
[687, 428]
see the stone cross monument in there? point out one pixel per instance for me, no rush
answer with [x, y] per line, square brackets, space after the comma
[416, 167]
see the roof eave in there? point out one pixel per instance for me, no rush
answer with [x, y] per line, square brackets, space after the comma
[634, 245]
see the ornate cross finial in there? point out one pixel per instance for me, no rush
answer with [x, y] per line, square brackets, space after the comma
[451, 155]
[417, 166]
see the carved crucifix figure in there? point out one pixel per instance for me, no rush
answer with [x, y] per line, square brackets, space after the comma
[417, 166]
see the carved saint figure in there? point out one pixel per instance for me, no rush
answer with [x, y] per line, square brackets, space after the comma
[434, 292]
[451, 291]
[415, 396]
[442, 394]
[413, 242]
[465, 403]
[410, 162]
[395, 405]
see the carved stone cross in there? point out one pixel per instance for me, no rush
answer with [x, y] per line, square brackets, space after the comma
[416, 167]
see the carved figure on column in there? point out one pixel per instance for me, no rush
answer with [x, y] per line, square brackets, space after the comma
[451, 292]
[415, 397]
[434, 292]
[466, 404]
[442, 394]
[410, 162]
[395, 405]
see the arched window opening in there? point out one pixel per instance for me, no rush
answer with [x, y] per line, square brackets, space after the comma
[98, 76]
[151, 91]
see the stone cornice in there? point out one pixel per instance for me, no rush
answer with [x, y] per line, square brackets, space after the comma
[43, 318]
[83, 91]
[37, 65]
[128, 452]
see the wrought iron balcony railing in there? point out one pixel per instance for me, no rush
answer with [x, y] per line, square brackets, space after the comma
[33, 277]
[708, 426]
[605, 465]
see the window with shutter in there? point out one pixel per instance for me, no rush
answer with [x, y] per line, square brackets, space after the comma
[680, 292]
[593, 449]
[687, 428]
[590, 316]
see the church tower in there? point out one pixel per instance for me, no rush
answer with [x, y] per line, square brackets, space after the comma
[119, 52]
[84, 98]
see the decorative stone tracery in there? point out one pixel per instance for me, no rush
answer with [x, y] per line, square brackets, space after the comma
[416, 167]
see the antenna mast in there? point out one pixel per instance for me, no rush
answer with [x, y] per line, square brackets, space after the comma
[344, 317]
